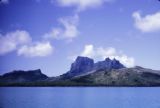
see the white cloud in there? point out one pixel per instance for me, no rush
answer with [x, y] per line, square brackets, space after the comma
[82, 4]
[39, 49]
[106, 52]
[67, 31]
[21, 42]
[12, 40]
[4, 1]
[124, 59]
[102, 53]
[148, 23]
[88, 51]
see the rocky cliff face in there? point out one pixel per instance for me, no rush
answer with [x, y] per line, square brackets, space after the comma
[80, 66]
[83, 65]
[108, 64]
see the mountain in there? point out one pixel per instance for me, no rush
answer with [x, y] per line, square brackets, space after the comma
[84, 72]
[20, 76]
[136, 76]
[83, 65]
[80, 66]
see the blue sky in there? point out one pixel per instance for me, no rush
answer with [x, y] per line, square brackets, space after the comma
[49, 34]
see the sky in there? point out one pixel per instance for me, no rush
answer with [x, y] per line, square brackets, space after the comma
[50, 34]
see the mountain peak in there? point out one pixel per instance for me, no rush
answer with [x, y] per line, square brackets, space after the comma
[108, 64]
[107, 59]
[81, 64]
[84, 65]
[116, 64]
[82, 59]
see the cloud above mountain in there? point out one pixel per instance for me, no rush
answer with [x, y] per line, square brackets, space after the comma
[148, 23]
[102, 53]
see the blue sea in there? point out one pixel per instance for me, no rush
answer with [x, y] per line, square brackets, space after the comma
[79, 97]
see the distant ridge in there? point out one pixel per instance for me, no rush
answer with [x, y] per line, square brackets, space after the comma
[20, 76]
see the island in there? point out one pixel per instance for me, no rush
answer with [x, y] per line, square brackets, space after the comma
[85, 72]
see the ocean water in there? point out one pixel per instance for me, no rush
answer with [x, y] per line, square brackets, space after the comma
[79, 97]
